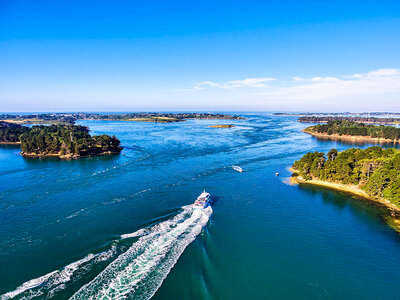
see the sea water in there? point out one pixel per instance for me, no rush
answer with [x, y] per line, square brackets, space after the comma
[122, 226]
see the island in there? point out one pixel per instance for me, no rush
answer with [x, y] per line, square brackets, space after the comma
[348, 130]
[71, 118]
[63, 141]
[372, 173]
[222, 126]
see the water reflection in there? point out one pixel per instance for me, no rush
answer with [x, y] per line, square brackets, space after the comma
[359, 207]
[356, 143]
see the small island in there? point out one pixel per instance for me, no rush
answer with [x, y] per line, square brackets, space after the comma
[372, 173]
[63, 141]
[348, 130]
[222, 126]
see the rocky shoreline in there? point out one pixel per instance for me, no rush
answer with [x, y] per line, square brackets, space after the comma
[222, 126]
[67, 156]
[10, 143]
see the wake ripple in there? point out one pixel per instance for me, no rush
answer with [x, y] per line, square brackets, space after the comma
[55, 281]
[137, 272]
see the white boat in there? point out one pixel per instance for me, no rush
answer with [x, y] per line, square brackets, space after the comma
[203, 201]
[237, 168]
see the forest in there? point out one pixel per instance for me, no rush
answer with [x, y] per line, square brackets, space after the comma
[58, 140]
[375, 170]
[9, 132]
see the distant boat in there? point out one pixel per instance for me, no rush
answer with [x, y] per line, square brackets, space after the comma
[237, 168]
[276, 174]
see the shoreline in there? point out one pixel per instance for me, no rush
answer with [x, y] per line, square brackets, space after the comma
[10, 143]
[355, 191]
[67, 156]
[222, 126]
[350, 137]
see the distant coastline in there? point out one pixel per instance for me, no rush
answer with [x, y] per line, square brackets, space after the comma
[71, 118]
[337, 114]
[364, 120]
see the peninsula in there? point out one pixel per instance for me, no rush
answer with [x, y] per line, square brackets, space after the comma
[365, 120]
[63, 141]
[348, 130]
[71, 118]
[372, 173]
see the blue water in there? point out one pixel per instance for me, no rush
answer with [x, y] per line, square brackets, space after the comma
[122, 225]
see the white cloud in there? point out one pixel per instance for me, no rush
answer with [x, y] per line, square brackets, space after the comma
[377, 73]
[245, 83]
[377, 89]
[376, 82]
[316, 79]
[251, 82]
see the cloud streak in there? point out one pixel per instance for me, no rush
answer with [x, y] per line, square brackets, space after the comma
[376, 82]
[352, 86]
[245, 83]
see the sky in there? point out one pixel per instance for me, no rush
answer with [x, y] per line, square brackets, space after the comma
[199, 55]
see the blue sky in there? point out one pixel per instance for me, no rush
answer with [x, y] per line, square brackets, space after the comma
[203, 55]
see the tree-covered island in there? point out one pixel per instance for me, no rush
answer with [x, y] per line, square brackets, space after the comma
[355, 130]
[372, 173]
[64, 141]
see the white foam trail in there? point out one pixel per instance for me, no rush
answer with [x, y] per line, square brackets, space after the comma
[28, 285]
[56, 280]
[139, 272]
[140, 232]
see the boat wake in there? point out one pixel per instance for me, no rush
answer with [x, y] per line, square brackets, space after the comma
[139, 272]
[136, 272]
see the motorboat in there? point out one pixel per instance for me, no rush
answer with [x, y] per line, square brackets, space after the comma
[237, 168]
[203, 201]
